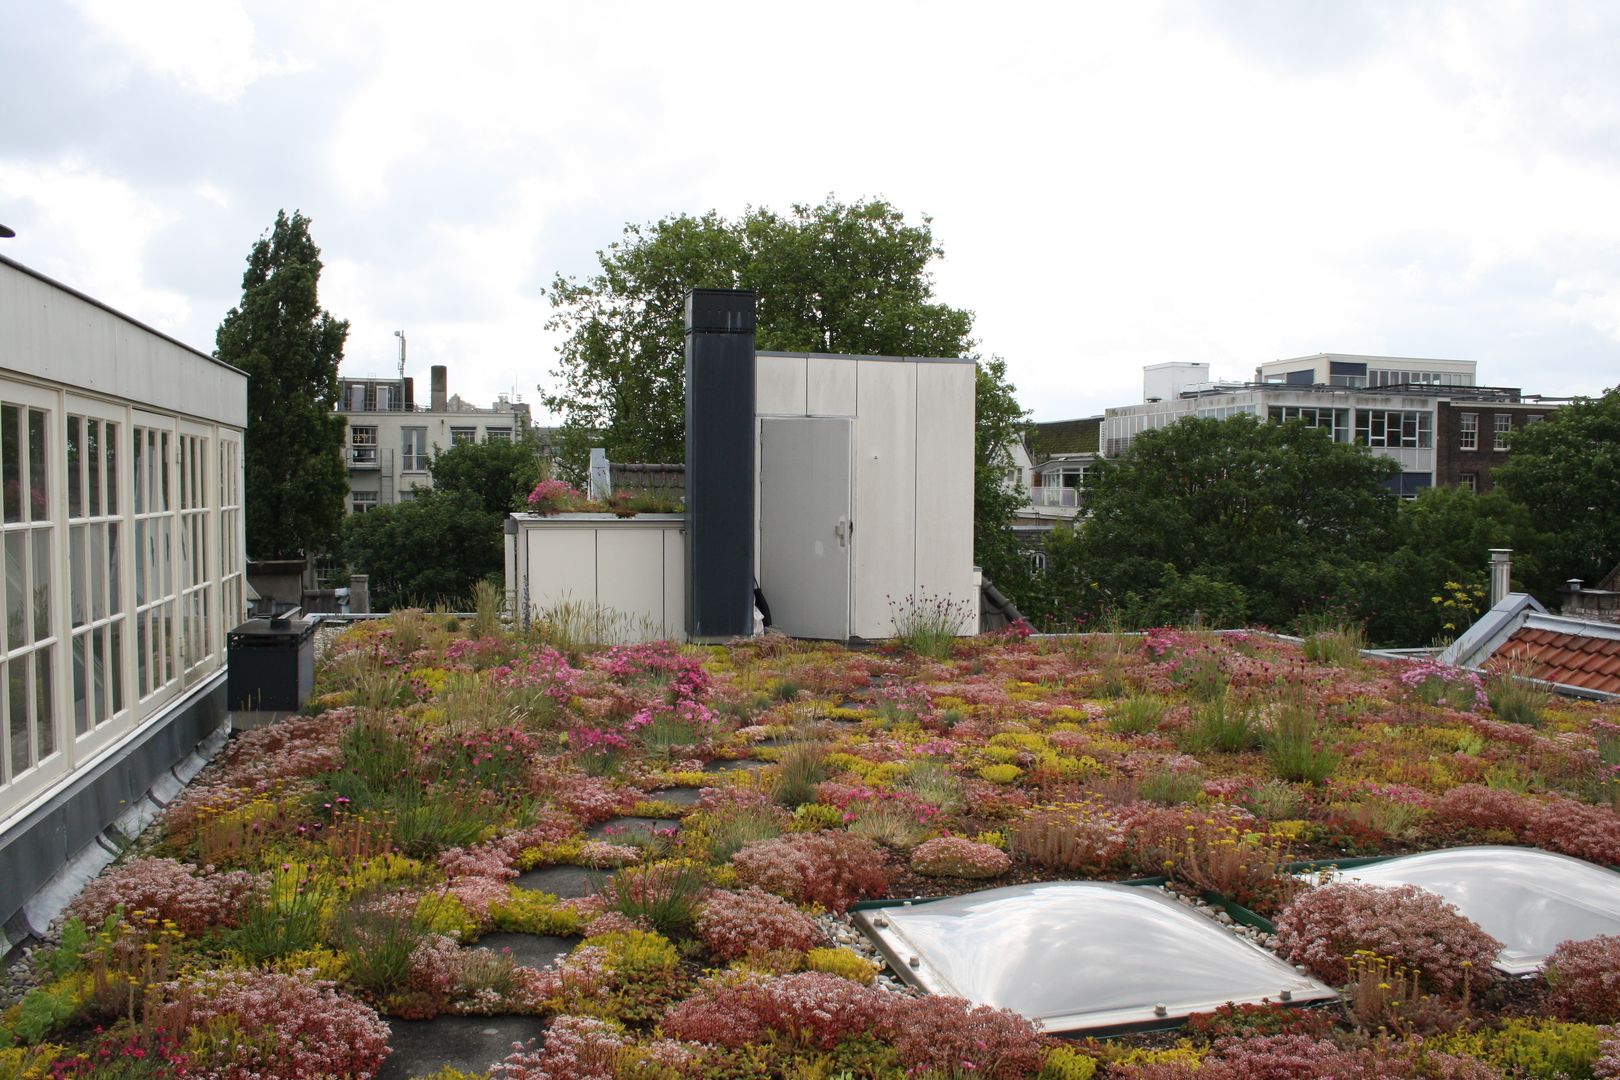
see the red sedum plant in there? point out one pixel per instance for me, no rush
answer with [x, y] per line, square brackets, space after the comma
[833, 869]
[1414, 928]
[735, 924]
[1584, 980]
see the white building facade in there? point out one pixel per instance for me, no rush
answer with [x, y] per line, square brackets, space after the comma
[122, 527]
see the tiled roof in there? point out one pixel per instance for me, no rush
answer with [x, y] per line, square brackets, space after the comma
[1572, 659]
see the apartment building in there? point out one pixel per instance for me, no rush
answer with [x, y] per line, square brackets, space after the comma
[391, 436]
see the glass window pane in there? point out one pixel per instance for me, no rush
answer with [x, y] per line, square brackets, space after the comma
[98, 674]
[142, 678]
[11, 460]
[140, 563]
[110, 447]
[75, 465]
[16, 590]
[17, 693]
[98, 571]
[163, 468]
[92, 483]
[115, 661]
[139, 457]
[42, 583]
[81, 687]
[44, 704]
[76, 576]
[115, 598]
[38, 493]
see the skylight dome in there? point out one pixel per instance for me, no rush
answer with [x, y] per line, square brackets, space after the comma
[1529, 900]
[1081, 956]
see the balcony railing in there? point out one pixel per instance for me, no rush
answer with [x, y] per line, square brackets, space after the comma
[1055, 495]
[363, 457]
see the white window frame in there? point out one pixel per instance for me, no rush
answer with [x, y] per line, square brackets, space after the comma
[413, 456]
[1503, 424]
[1468, 431]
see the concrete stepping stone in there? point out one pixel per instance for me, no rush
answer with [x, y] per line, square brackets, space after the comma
[733, 766]
[626, 830]
[469, 1043]
[676, 796]
[564, 882]
[529, 950]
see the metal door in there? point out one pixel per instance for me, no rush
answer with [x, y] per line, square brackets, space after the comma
[805, 531]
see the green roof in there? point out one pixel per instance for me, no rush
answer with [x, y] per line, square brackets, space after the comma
[1065, 437]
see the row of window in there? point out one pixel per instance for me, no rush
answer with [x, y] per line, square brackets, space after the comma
[121, 539]
[1468, 429]
[413, 444]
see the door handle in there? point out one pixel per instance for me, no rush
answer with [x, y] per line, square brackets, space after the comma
[844, 529]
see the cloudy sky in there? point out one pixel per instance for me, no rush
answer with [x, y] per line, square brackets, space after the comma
[1114, 184]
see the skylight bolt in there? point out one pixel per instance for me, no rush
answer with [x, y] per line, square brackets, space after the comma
[1161, 1010]
[1287, 995]
[915, 962]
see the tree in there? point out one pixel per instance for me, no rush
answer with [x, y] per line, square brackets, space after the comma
[499, 475]
[1278, 511]
[1566, 471]
[428, 550]
[433, 548]
[999, 425]
[850, 278]
[295, 479]
[1434, 582]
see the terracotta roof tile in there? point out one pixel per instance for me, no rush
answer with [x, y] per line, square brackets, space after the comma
[1572, 659]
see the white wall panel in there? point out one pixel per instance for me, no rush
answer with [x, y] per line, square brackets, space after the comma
[779, 385]
[53, 334]
[630, 574]
[885, 447]
[944, 532]
[561, 566]
[830, 386]
[634, 567]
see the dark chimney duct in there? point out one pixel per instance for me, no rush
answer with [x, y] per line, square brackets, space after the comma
[439, 377]
[719, 464]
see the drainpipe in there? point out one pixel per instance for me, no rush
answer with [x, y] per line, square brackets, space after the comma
[1501, 573]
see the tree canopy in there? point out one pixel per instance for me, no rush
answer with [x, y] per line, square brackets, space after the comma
[849, 278]
[1566, 472]
[295, 481]
[1260, 521]
[435, 547]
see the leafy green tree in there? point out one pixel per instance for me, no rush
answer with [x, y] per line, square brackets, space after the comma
[428, 550]
[999, 425]
[1269, 520]
[849, 278]
[1566, 471]
[1432, 583]
[499, 475]
[295, 481]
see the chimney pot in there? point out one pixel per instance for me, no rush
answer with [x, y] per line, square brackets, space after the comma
[1501, 573]
[439, 377]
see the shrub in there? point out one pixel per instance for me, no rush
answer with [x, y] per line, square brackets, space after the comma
[927, 625]
[167, 890]
[958, 857]
[1584, 980]
[833, 869]
[735, 924]
[292, 1027]
[1414, 928]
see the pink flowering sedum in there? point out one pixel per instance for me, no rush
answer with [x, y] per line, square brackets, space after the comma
[167, 889]
[294, 1027]
[734, 924]
[1415, 928]
[959, 857]
[833, 869]
[812, 1007]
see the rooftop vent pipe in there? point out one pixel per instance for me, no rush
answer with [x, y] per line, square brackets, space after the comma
[1501, 574]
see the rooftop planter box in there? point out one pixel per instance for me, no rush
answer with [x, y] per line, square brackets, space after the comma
[629, 574]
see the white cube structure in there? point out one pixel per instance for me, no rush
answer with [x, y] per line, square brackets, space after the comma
[865, 501]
